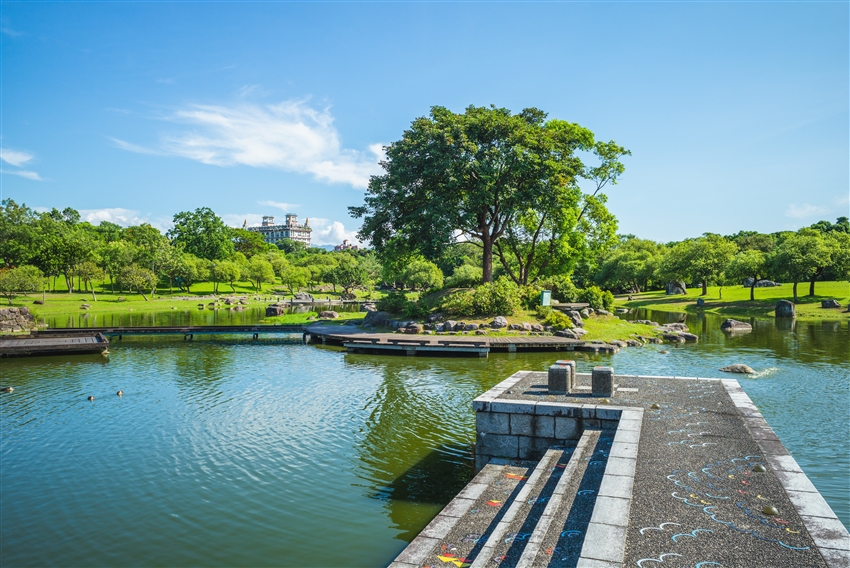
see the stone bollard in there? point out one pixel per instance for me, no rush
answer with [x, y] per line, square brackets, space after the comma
[559, 379]
[571, 377]
[602, 381]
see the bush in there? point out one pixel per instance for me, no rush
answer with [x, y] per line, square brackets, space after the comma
[418, 309]
[465, 276]
[592, 295]
[395, 303]
[608, 300]
[563, 289]
[499, 298]
[529, 296]
[557, 319]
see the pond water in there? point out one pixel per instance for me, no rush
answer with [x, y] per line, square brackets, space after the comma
[225, 451]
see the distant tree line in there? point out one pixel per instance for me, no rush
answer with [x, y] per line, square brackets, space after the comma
[818, 252]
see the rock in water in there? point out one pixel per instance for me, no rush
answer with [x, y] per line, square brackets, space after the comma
[785, 309]
[276, 310]
[735, 325]
[738, 368]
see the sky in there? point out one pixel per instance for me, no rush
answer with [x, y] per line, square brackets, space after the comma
[736, 114]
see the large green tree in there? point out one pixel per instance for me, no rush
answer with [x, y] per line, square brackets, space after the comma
[203, 234]
[470, 175]
[750, 263]
[802, 256]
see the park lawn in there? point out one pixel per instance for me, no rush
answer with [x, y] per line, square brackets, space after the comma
[735, 300]
[609, 328]
[61, 303]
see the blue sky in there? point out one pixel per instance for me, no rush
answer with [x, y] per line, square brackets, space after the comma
[736, 113]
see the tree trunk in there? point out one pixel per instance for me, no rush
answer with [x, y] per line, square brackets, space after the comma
[93, 297]
[704, 288]
[487, 262]
[139, 290]
[795, 291]
[752, 289]
[812, 285]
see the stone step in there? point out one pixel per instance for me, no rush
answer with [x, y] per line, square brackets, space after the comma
[560, 536]
[506, 542]
[459, 532]
[563, 497]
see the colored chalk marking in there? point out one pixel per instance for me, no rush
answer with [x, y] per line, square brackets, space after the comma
[515, 476]
[660, 559]
[692, 534]
[495, 503]
[658, 528]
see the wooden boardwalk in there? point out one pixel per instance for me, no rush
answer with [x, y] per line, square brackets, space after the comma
[59, 344]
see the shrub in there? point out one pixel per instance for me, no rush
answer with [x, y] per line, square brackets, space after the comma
[465, 276]
[395, 303]
[563, 289]
[608, 300]
[592, 295]
[499, 298]
[529, 296]
[556, 318]
[418, 309]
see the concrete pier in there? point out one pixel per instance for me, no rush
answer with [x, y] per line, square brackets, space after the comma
[677, 469]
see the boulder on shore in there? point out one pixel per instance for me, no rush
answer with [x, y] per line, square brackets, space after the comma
[303, 297]
[735, 325]
[377, 319]
[830, 304]
[414, 328]
[677, 287]
[738, 368]
[499, 322]
[785, 309]
[368, 307]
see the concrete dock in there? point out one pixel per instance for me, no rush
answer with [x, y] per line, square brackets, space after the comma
[676, 471]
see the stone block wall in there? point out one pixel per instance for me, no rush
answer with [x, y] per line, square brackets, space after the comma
[16, 319]
[521, 429]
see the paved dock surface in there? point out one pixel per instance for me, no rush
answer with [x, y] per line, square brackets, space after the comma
[701, 480]
[33, 345]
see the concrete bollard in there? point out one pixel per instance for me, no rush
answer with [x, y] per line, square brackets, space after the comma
[602, 381]
[559, 378]
[571, 378]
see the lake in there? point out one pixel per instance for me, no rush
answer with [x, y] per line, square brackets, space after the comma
[225, 451]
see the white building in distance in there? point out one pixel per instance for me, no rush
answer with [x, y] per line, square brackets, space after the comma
[290, 229]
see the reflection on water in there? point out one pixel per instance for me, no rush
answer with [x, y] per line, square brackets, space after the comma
[228, 451]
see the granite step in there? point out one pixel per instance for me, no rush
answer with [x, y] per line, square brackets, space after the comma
[560, 537]
[536, 552]
[509, 538]
[458, 533]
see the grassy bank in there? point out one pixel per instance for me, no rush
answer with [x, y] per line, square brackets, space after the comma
[735, 301]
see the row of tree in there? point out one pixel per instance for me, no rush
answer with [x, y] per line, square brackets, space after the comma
[819, 252]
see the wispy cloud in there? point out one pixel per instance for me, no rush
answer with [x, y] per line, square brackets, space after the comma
[134, 147]
[15, 158]
[290, 136]
[237, 219]
[805, 210]
[286, 207]
[23, 173]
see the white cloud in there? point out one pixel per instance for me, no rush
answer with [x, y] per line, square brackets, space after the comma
[289, 136]
[133, 147]
[286, 207]
[327, 232]
[805, 210]
[15, 157]
[23, 173]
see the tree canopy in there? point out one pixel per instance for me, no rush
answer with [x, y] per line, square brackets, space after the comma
[472, 175]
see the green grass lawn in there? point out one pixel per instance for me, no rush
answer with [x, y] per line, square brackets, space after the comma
[735, 300]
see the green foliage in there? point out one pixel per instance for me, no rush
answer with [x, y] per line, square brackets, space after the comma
[259, 271]
[556, 318]
[134, 276]
[348, 274]
[594, 296]
[249, 243]
[476, 173]
[290, 246]
[294, 277]
[464, 276]
[562, 288]
[607, 300]
[226, 271]
[395, 302]
[702, 260]
[632, 266]
[22, 279]
[750, 263]
[422, 274]
[418, 309]
[202, 233]
[499, 298]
